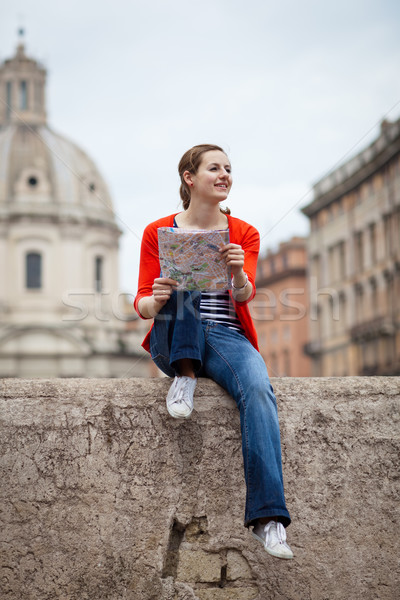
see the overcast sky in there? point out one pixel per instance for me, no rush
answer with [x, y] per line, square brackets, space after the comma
[290, 89]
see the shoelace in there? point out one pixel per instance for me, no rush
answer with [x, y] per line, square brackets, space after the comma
[280, 531]
[181, 394]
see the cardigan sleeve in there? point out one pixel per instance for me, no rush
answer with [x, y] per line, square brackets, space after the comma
[149, 266]
[249, 238]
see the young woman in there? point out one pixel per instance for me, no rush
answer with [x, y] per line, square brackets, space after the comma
[197, 334]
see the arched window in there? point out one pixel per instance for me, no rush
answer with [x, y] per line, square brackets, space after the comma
[98, 273]
[33, 271]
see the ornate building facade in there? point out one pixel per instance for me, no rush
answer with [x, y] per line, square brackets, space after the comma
[354, 254]
[280, 309]
[61, 313]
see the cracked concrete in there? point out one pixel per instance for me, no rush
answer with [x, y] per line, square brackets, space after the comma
[105, 497]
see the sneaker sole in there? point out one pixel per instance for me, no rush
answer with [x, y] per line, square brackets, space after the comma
[271, 552]
[177, 416]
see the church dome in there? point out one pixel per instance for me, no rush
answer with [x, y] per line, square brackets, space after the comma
[42, 172]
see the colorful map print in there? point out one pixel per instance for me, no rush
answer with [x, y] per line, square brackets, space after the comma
[192, 258]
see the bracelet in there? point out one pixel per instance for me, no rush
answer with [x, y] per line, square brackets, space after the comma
[238, 289]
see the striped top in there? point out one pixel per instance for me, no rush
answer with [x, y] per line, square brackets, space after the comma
[217, 306]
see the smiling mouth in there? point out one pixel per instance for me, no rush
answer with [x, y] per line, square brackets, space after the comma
[221, 185]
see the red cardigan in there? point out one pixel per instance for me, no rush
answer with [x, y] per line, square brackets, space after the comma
[239, 233]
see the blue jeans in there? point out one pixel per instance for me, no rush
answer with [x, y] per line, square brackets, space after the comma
[228, 358]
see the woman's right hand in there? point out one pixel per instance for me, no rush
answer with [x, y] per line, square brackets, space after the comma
[150, 306]
[162, 290]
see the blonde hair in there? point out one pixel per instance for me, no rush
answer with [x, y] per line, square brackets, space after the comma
[191, 161]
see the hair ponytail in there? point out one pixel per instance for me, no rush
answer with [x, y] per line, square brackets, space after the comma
[185, 195]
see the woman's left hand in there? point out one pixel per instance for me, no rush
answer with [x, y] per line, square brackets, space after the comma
[234, 257]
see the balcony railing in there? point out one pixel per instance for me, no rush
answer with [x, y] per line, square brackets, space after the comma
[373, 328]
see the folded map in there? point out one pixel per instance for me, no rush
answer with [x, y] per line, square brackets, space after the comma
[192, 258]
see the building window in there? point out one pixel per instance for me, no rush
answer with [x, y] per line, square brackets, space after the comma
[286, 363]
[38, 95]
[397, 233]
[274, 336]
[98, 278]
[342, 311]
[274, 365]
[23, 96]
[359, 251]
[9, 98]
[314, 223]
[387, 223]
[272, 264]
[359, 294]
[316, 267]
[331, 264]
[372, 239]
[390, 300]
[342, 260]
[33, 271]
[374, 298]
[262, 339]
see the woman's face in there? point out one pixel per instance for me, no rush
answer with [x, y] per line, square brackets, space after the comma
[213, 179]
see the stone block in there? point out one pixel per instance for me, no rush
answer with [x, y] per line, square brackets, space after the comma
[199, 566]
[237, 566]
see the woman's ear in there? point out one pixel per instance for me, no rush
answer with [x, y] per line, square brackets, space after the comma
[188, 178]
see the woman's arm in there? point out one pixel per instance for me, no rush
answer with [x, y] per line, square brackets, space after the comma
[234, 256]
[150, 306]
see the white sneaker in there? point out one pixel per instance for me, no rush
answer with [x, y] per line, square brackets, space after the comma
[180, 397]
[273, 537]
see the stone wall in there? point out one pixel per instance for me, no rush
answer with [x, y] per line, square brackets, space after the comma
[105, 497]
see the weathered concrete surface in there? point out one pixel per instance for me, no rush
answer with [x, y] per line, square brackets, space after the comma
[105, 497]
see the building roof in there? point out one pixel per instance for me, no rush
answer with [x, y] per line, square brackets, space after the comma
[352, 173]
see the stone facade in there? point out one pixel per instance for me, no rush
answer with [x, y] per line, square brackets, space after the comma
[105, 497]
[280, 309]
[354, 254]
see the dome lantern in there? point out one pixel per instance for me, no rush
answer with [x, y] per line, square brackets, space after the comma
[22, 90]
